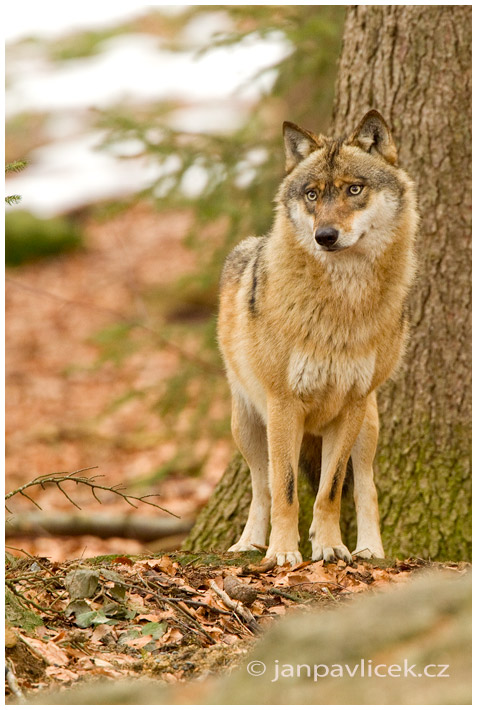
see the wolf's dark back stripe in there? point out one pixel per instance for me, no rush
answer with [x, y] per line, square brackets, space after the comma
[290, 485]
[252, 295]
[255, 280]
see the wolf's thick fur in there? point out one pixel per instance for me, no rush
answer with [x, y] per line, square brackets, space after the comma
[311, 322]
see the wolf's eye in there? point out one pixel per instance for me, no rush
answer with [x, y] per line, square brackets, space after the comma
[311, 195]
[355, 189]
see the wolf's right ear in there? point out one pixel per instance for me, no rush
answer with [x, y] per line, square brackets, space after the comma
[299, 143]
[373, 135]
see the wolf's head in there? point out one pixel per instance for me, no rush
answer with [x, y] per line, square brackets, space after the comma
[342, 192]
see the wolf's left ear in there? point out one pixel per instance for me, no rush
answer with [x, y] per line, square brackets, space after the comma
[299, 143]
[373, 135]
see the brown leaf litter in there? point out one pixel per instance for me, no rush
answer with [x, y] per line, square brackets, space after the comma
[173, 617]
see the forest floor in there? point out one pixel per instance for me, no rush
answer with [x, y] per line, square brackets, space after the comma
[82, 387]
[82, 391]
[170, 618]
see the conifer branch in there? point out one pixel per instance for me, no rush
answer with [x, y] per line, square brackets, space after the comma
[12, 199]
[16, 166]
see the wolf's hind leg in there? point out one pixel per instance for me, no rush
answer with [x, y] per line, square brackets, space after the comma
[369, 541]
[337, 441]
[249, 432]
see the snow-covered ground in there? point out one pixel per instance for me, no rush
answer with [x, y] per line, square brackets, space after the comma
[53, 19]
[218, 88]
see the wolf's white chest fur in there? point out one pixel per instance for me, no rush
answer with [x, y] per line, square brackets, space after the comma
[308, 374]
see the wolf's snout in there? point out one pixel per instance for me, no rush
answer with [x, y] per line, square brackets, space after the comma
[326, 236]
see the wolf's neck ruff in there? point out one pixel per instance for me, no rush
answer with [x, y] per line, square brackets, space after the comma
[352, 285]
[311, 323]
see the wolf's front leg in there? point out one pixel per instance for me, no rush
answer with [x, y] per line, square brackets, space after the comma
[284, 434]
[250, 435]
[337, 441]
[369, 541]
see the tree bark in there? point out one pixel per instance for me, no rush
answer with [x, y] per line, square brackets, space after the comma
[413, 64]
[220, 522]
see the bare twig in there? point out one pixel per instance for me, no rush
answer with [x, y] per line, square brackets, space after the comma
[285, 595]
[200, 605]
[91, 481]
[29, 602]
[329, 593]
[28, 554]
[12, 682]
[175, 605]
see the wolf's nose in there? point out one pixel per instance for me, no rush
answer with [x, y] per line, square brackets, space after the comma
[326, 236]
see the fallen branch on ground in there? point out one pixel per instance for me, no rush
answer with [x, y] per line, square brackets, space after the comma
[13, 683]
[133, 527]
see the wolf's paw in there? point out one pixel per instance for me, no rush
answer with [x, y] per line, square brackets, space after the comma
[243, 546]
[330, 553]
[281, 557]
[368, 552]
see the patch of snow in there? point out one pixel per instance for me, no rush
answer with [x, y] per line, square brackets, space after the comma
[49, 20]
[135, 68]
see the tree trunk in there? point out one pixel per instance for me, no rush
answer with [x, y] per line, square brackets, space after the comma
[220, 522]
[413, 64]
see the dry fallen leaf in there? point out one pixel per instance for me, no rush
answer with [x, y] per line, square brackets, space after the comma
[164, 564]
[49, 651]
[100, 632]
[171, 636]
[61, 673]
[121, 560]
[155, 616]
[298, 579]
[114, 653]
[139, 642]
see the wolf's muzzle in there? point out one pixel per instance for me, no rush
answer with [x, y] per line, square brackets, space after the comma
[326, 237]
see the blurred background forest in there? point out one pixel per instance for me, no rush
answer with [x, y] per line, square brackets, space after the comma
[153, 144]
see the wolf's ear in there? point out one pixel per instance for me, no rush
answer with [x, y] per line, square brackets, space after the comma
[373, 135]
[299, 143]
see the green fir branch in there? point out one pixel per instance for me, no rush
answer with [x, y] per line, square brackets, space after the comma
[13, 199]
[16, 166]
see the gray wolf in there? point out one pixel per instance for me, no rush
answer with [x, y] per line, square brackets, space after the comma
[311, 321]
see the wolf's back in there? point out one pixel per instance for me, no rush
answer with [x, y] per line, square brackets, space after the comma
[239, 258]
